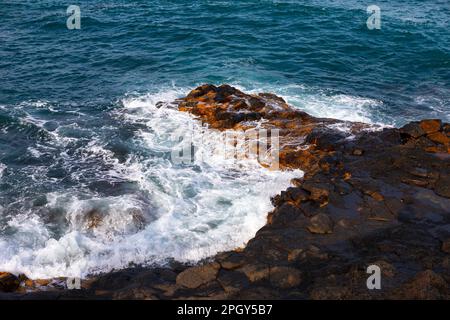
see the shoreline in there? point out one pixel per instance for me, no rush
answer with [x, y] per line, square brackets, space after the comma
[367, 198]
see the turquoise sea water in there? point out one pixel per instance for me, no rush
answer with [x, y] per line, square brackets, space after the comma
[79, 131]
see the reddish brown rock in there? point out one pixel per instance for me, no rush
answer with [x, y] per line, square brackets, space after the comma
[8, 282]
[430, 126]
[376, 195]
[42, 282]
[432, 149]
[221, 107]
[416, 182]
[439, 137]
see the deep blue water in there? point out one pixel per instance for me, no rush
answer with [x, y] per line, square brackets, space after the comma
[67, 96]
[128, 46]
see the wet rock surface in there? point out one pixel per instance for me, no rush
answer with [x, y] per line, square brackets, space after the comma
[8, 282]
[369, 196]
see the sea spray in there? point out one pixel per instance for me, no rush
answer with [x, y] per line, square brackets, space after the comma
[167, 211]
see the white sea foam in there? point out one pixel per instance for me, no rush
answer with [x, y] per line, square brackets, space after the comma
[182, 211]
[323, 104]
[436, 107]
[2, 169]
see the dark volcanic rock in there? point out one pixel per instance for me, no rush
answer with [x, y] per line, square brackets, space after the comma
[446, 245]
[425, 285]
[369, 196]
[321, 224]
[196, 276]
[285, 277]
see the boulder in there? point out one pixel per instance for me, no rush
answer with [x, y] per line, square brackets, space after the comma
[256, 272]
[8, 282]
[413, 129]
[430, 125]
[194, 277]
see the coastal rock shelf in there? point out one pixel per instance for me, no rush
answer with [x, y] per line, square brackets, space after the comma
[369, 196]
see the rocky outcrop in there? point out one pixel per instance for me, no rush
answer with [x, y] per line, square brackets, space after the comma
[369, 196]
[8, 282]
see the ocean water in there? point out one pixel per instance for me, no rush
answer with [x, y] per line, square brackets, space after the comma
[82, 134]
